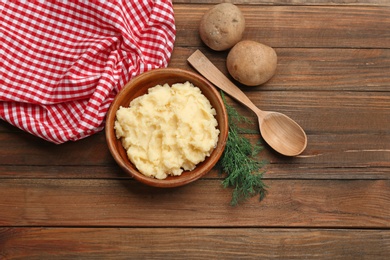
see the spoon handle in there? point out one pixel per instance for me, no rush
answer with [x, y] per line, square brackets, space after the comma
[204, 66]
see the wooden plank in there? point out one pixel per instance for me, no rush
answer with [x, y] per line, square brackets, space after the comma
[297, 26]
[126, 203]
[328, 155]
[192, 243]
[321, 112]
[327, 150]
[18, 148]
[340, 133]
[342, 171]
[312, 69]
[345, 157]
[63, 172]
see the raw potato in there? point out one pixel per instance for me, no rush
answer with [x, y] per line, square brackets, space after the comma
[222, 26]
[251, 63]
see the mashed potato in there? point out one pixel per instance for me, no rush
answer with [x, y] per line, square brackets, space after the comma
[168, 130]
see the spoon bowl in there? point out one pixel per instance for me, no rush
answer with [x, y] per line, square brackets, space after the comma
[282, 133]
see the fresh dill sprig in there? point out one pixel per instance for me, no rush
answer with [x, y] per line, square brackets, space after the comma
[244, 170]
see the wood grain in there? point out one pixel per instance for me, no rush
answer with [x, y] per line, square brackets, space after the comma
[298, 26]
[328, 151]
[312, 69]
[192, 243]
[293, 203]
[334, 138]
[72, 201]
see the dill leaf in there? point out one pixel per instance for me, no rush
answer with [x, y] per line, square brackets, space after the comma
[239, 161]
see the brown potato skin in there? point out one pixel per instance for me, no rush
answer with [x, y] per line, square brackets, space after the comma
[222, 26]
[251, 63]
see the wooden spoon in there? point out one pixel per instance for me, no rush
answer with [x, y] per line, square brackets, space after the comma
[282, 133]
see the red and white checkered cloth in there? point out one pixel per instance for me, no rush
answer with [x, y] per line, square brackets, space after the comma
[63, 62]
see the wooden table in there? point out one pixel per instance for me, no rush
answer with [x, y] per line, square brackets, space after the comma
[333, 201]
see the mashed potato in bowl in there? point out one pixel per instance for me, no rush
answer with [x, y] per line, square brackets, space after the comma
[168, 130]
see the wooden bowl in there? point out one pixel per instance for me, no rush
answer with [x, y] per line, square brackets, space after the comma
[139, 86]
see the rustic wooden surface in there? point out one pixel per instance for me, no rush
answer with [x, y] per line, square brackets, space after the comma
[332, 202]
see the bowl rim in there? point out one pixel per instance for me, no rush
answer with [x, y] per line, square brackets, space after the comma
[174, 181]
